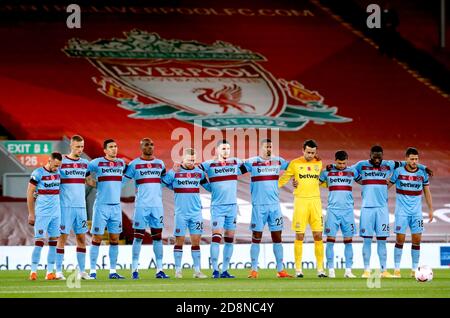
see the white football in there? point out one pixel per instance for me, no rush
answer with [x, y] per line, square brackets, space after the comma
[424, 274]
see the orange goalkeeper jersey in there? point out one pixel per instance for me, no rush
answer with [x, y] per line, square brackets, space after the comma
[307, 174]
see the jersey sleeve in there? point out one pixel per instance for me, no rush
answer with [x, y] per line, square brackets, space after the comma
[35, 177]
[205, 183]
[248, 164]
[426, 180]
[168, 179]
[163, 171]
[284, 164]
[92, 166]
[287, 175]
[241, 167]
[204, 166]
[394, 176]
[323, 176]
[129, 171]
[356, 175]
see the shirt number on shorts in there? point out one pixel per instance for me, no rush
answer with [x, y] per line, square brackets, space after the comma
[279, 221]
[199, 225]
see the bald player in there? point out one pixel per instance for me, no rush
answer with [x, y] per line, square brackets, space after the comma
[147, 171]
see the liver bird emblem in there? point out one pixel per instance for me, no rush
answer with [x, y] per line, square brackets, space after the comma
[228, 97]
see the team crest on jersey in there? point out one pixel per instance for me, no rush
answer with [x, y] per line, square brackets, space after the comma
[221, 84]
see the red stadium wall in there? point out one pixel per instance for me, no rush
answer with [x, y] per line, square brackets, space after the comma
[47, 94]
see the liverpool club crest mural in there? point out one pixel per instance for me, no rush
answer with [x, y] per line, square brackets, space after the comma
[221, 84]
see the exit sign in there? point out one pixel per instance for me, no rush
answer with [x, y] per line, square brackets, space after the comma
[31, 154]
[29, 147]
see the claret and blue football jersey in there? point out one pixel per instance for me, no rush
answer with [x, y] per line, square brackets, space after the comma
[73, 175]
[109, 179]
[264, 178]
[223, 177]
[147, 175]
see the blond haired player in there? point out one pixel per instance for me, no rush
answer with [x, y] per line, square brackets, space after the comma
[307, 205]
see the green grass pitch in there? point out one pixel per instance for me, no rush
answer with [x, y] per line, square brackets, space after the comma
[16, 284]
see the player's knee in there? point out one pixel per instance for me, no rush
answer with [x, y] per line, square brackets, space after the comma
[52, 241]
[39, 243]
[256, 237]
[216, 238]
[113, 241]
[276, 236]
[415, 240]
[81, 240]
[139, 234]
[228, 239]
[317, 236]
[156, 234]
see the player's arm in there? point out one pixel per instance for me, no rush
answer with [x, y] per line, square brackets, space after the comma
[30, 201]
[205, 183]
[420, 166]
[427, 192]
[128, 174]
[393, 179]
[163, 174]
[92, 168]
[287, 175]
[242, 169]
[323, 179]
[167, 179]
[90, 181]
[284, 164]
[390, 184]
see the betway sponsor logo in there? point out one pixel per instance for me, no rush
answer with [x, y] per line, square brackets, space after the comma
[80, 173]
[375, 174]
[308, 176]
[150, 173]
[268, 170]
[225, 170]
[112, 170]
[410, 185]
[51, 185]
[188, 182]
[340, 180]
